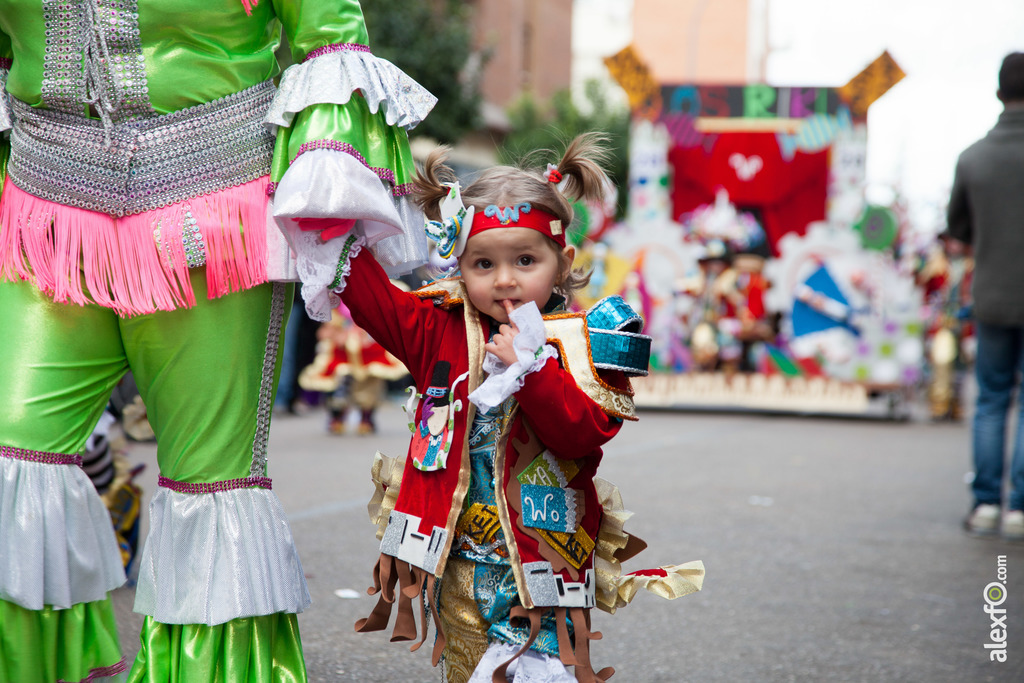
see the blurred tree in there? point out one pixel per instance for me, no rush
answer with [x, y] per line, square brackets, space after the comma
[433, 43]
[553, 124]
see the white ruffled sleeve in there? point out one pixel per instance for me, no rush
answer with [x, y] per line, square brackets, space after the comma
[352, 166]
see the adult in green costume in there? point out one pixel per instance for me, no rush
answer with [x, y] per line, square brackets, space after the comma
[154, 185]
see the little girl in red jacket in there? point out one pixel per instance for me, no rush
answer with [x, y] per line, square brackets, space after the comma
[499, 527]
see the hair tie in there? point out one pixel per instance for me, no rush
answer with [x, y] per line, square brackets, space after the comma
[553, 175]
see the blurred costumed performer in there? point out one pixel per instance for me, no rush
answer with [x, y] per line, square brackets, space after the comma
[352, 369]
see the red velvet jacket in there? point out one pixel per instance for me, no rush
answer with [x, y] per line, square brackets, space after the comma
[554, 415]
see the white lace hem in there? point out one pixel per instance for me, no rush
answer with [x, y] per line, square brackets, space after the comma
[214, 557]
[57, 544]
[532, 667]
[332, 78]
[531, 355]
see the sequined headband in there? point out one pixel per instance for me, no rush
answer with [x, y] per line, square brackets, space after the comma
[520, 215]
[458, 223]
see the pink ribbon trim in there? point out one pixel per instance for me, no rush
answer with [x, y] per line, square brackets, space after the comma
[336, 47]
[214, 486]
[40, 456]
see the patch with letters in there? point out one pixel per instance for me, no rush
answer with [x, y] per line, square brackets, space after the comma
[480, 523]
[575, 548]
[547, 470]
[548, 507]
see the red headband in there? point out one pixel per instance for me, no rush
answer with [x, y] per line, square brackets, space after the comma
[520, 215]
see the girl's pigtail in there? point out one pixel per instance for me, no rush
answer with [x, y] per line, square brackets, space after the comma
[581, 167]
[428, 185]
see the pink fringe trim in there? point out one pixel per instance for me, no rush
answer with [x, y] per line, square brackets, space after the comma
[248, 5]
[120, 261]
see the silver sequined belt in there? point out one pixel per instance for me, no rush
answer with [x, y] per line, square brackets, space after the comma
[149, 162]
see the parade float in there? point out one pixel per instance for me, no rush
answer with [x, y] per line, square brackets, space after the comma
[765, 278]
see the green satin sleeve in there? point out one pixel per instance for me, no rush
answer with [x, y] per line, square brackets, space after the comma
[351, 127]
[310, 24]
[23, 35]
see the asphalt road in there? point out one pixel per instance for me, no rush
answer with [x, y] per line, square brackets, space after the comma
[834, 551]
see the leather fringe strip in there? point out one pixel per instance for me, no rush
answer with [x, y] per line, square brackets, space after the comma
[412, 582]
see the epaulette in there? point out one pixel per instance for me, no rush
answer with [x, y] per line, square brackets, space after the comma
[607, 337]
[446, 293]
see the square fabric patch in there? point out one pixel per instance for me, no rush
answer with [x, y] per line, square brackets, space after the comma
[549, 507]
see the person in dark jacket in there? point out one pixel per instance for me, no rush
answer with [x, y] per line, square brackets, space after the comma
[986, 210]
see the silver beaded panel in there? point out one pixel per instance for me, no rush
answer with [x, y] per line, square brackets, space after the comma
[192, 239]
[5, 99]
[127, 68]
[266, 400]
[107, 32]
[150, 162]
[63, 86]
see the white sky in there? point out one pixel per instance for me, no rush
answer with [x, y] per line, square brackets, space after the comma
[951, 51]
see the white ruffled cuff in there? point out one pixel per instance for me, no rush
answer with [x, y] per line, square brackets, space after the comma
[400, 254]
[531, 355]
[325, 183]
[58, 546]
[332, 78]
[214, 557]
[333, 184]
[531, 666]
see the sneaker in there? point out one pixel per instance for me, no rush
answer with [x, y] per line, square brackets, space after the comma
[983, 520]
[1013, 525]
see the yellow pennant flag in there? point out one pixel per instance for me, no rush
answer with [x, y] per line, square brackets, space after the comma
[631, 72]
[871, 83]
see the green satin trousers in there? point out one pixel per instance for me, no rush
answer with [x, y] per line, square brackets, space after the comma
[200, 372]
[207, 376]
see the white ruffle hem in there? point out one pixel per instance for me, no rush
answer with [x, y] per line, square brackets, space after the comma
[214, 557]
[57, 546]
[532, 667]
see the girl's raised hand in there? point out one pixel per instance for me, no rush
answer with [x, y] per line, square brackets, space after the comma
[501, 345]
